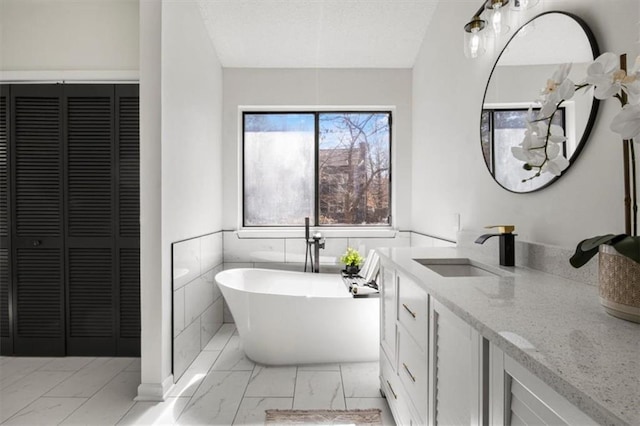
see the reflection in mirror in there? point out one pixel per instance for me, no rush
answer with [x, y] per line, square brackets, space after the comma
[521, 71]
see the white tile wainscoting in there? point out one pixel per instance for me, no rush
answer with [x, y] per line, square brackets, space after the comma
[289, 252]
[198, 309]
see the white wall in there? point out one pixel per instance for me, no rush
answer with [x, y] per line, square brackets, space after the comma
[189, 152]
[70, 36]
[449, 175]
[317, 87]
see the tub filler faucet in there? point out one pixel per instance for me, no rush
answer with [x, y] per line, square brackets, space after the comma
[312, 255]
[507, 243]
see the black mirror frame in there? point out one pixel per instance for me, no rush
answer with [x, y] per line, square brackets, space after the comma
[594, 106]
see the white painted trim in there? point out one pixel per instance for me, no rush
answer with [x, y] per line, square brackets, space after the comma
[312, 108]
[67, 76]
[155, 391]
[298, 232]
[496, 386]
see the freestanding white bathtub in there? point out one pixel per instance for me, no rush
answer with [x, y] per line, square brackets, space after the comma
[287, 318]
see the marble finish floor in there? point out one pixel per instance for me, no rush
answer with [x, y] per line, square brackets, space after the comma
[221, 387]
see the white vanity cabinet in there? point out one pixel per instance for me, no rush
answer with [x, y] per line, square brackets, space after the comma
[404, 346]
[437, 369]
[430, 363]
[518, 397]
[388, 311]
[455, 368]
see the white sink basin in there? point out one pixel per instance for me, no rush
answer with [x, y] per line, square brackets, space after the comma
[457, 268]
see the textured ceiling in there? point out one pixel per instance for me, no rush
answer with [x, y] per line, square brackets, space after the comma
[317, 33]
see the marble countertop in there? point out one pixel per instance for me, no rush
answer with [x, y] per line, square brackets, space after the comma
[553, 326]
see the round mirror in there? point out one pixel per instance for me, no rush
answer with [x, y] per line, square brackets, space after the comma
[521, 71]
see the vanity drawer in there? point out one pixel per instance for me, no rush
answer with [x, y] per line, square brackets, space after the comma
[413, 371]
[396, 397]
[413, 309]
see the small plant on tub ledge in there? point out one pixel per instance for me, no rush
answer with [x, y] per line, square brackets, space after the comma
[619, 259]
[352, 261]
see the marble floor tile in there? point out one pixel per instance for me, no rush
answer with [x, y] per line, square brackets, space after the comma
[110, 403]
[272, 382]
[221, 338]
[13, 369]
[23, 392]
[381, 403]
[319, 390]
[71, 363]
[319, 367]
[361, 379]
[155, 413]
[204, 361]
[134, 366]
[252, 410]
[91, 378]
[46, 411]
[232, 357]
[188, 384]
[195, 374]
[217, 399]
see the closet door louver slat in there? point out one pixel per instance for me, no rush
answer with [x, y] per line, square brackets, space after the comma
[128, 218]
[36, 152]
[90, 166]
[90, 199]
[6, 342]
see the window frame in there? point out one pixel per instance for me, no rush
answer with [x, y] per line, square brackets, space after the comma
[316, 112]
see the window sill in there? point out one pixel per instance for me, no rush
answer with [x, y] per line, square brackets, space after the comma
[382, 232]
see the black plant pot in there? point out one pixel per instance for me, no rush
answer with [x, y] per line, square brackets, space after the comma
[352, 270]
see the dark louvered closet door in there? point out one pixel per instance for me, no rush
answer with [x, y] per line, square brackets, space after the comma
[69, 220]
[6, 341]
[90, 200]
[37, 198]
[128, 218]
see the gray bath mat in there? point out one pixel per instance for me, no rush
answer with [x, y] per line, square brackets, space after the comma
[369, 417]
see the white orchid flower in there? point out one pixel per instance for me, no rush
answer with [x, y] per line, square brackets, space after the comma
[556, 134]
[558, 87]
[555, 166]
[627, 122]
[601, 75]
[607, 77]
[553, 150]
[520, 153]
[547, 108]
[631, 83]
[534, 135]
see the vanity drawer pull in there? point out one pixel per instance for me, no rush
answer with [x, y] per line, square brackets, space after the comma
[391, 389]
[409, 372]
[404, 305]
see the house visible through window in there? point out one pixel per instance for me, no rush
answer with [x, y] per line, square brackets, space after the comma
[333, 167]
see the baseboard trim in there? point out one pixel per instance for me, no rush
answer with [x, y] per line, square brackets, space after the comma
[155, 391]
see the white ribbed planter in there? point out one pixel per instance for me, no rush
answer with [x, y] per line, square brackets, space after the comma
[619, 284]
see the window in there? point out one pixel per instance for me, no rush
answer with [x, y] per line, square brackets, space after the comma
[501, 129]
[333, 167]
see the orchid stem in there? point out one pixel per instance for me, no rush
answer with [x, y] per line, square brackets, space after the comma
[634, 188]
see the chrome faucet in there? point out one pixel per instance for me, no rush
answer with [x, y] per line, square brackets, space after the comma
[507, 243]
